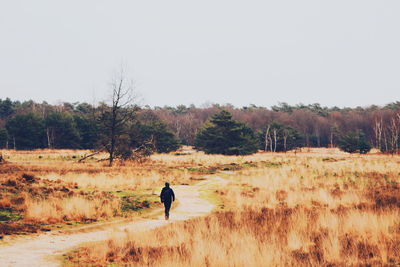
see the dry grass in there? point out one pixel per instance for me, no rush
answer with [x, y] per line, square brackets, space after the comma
[310, 208]
[75, 208]
[317, 207]
[63, 190]
[256, 238]
[60, 190]
[124, 178]
[63, 165]
[27, 202]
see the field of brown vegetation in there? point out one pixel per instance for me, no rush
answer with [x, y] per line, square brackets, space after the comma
[45, 189]
[42, 190]
[321, 207]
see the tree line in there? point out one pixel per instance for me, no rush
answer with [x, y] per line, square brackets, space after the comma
[284, 126]
[31, 125]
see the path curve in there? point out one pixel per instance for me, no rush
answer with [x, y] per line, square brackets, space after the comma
[36, 251]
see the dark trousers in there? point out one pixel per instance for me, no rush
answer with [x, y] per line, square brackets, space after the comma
[167, 206]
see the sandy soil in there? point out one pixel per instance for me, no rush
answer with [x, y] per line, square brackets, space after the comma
[43, 249]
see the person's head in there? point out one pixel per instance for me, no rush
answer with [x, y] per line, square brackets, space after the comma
[166, 184]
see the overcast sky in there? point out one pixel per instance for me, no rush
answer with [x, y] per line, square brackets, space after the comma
[337, 53]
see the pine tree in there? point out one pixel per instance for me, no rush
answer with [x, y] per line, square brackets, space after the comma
[354, 142]
[3, 138]
[61, 131]
[223, 135]
[27, 131]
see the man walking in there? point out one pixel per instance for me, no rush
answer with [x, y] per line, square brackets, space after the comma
[167, 197]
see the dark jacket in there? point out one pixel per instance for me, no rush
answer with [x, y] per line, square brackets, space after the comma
[167, 195]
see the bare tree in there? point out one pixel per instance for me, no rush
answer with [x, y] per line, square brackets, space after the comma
[286, 134]
[115, 117]
[275, 132]
[267, 137]
[378, 129]
[394, 130]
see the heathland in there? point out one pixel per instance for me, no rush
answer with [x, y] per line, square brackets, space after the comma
[310, 207]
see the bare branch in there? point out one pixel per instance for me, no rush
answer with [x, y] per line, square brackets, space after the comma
[119, 113]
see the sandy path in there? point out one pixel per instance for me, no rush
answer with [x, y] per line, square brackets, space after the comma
[36, 251]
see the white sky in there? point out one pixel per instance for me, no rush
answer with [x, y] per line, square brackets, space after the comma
[341, 52]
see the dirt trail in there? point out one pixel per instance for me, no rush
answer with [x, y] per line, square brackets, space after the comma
[38, 251]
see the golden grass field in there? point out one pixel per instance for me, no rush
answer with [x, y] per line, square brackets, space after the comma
[319, 207]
